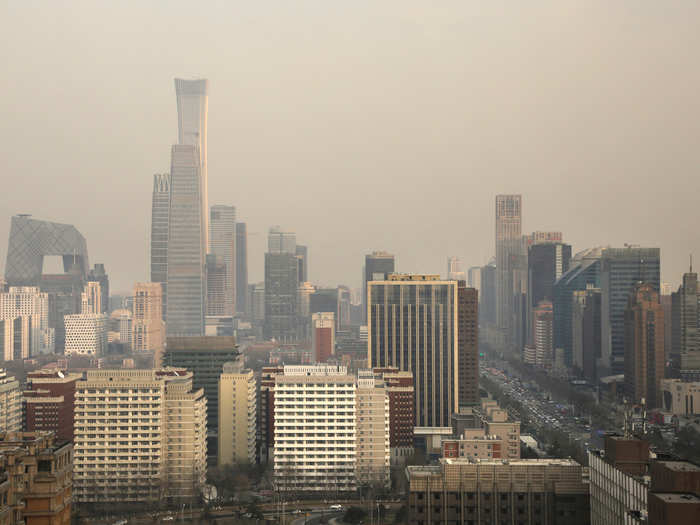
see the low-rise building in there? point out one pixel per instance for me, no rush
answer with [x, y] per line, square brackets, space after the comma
[524, 491]
[680, 398]
[35, 479]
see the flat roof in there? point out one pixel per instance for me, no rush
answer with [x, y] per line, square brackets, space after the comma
[677, 498]
[681, 466]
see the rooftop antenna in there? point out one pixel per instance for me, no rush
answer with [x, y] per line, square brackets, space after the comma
[691, 263]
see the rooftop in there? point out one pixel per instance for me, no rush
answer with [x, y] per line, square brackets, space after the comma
[677, 498]
[681, 466]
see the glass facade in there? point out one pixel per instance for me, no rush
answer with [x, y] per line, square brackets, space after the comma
[160, 216]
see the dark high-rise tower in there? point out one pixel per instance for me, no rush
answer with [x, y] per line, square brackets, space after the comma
[281, 283]
[685, 321]
[621, 269]
[222, 243]
[242, 268]
[303, 257]
[508, 250]
[468, 345]
[378, 265]
[160, 217]
[547, 262]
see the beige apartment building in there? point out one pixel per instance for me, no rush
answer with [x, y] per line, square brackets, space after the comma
[237, 415]
[148, 328]
[140, 436]
[373, 450]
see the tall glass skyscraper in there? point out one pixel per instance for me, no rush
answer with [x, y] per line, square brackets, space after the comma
[192, 106]
[186, 245]
[222, 242]
[281, 283]
[160, 216]
[509, 249]
[378, 266]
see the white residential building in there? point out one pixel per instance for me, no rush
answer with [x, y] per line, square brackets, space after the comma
[10, 403]
[15, 338]
[237, 415]
[140, 436]
[28, 301]
[315, 429]
[86, 334]
[373, 450]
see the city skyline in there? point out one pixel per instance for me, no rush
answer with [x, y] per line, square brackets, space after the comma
[609, 131]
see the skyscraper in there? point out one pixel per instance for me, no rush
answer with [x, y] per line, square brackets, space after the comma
[584, 272]
[685, 320]
[487, 305]
[160, 226]
[378, 266]
[620, 271]
[192, 104]
[241, 267]
[414, 325]
[547, 262]
[323, 336]
[148, 330]
[222, 242]
[91, 298]
[508, 240]
[186, 246]
[644, 345]
[98, 274]
[454, 270]
[281, 284]
[303, 257]
[29, 302]
[216, 285]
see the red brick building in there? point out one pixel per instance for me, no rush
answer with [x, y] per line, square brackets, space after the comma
[49, 402]
[468, 345]
[400, 389]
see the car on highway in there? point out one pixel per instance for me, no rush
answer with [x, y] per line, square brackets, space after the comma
[336, 507]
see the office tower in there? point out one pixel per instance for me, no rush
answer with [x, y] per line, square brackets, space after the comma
[91, 298]
[308, 457]
[620, 270]
[126, 328]
[86, 334]
[487, 305]
[547, 262]
[303, 261]
[544, 238]
[186, 286]
[344, 307]
[164, 460]
[192, 104]
[304, 299]
[237, 415]
[323, 336]
[373, 453]
[205, 358]
[222, 242]
[216, 285]
[508, 236]
[15, 338]
[414, 325]
[160, 228]
[98, 274]
[524, 491]
[37, 470]
[474, 278]
[619, 481]
[468, 346]
[378, 266]
[258, 302]
[10, 403]
[400, 390]
[454, 270]
[544, 333]
[644, 346]
[585, 332]
[30, 242]
[49, 402]
[324, 300]
[241, 267]
[148, 329]
[281, 284]
[685, 327]
[29, 302]
[584, 272]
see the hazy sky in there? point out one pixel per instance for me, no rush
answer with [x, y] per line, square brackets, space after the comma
[361, 125]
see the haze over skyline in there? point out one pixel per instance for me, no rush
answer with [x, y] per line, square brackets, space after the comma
[363, 126]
